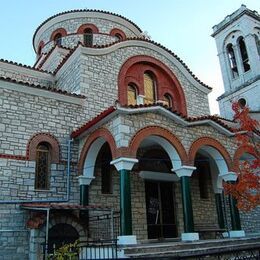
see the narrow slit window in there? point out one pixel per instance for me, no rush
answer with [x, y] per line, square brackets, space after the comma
[149, 89]
[244, 55]
[232, 61]
[131, 95]
[88, 37]
[42, 167]
[57, 39]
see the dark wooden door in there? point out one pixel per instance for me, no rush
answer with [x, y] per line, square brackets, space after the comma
[160, 211]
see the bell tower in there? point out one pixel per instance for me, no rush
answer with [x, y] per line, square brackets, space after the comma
[238, 44]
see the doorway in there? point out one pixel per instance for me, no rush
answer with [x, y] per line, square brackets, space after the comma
[161, 221]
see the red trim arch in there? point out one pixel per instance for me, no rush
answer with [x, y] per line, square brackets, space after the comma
[239, 152]
[166, 81]
[91, 26]
[102, 132]
[197, 144]
[43, 137]
[115, 31]
[158, 131]
[62, 31]
[40, 46]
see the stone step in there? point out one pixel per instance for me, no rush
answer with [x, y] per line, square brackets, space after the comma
[188, 248]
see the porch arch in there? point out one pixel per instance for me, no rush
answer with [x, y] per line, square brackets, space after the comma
[91, 148]
[165, 138]
[215, 150]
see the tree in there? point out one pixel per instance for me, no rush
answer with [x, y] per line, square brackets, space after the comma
[247, 188]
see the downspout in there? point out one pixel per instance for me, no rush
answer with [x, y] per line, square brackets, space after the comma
[66, 199]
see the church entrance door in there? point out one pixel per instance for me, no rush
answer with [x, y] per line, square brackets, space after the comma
[161, 222]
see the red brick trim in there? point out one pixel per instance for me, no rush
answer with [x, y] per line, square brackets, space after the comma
[197, 144]
[102, 132]
[13, 157]
[39, 138]
[136, 66]
[83, 27]
[115, 31]
[62, 31]
[40, 46]
[159, 131]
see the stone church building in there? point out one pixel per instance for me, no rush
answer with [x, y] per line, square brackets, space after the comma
[109, 119]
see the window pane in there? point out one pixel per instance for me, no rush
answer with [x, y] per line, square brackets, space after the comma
[131, 96]
[42, 169]
[148, 89]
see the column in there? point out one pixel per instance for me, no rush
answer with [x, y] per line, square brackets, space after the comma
[124, 166]
[184, 173]
[84, 182]
[218, 199]
[231, 177]
[252, 53]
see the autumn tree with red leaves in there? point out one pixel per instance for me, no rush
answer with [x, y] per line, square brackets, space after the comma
[247, 188]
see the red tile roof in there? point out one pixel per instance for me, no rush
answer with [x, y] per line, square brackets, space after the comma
[92, 122]
[51, 89]
[135, 39]
[24, 66]
[220, 121]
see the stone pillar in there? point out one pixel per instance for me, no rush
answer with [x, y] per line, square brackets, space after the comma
[218, 200]
[84, 182]
[252, 53]
[240, 66]
[34, 252]
[184, 173]
[124, 166]
[231, 177]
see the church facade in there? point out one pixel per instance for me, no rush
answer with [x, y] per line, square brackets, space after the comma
[107, 118]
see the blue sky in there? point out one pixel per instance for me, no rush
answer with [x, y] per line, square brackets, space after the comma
[184, 26]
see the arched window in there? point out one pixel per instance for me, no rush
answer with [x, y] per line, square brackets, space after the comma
[257, 41]
[244, 55]
[119, 36]
[242, 102]
[57, 39]
[149, 89]
[232, 60]
[43, 158]
[131, 95]
[88, 37]
[168, 100]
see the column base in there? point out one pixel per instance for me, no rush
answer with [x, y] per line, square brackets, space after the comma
[189, 236]
[127, 240]
[237, 233]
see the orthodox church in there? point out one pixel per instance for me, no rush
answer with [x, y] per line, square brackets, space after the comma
[110, 125]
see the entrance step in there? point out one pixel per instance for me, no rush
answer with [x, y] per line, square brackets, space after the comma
[185, 249]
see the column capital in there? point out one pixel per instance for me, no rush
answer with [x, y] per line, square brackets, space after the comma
[228, 176]
[124, 163]
[85, 180]
[184, 171]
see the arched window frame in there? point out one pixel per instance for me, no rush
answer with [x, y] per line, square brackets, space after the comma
[243, 54]
[57, 36]
[232, 60]
[257, 42]
[151, 76]
[167, 98]
[131, 88]
[42, 168]
[58, 39]
[119, 34]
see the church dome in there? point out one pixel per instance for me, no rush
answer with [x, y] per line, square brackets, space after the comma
[90, 27]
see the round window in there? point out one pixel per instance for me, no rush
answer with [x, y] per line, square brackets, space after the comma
[242, 102]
